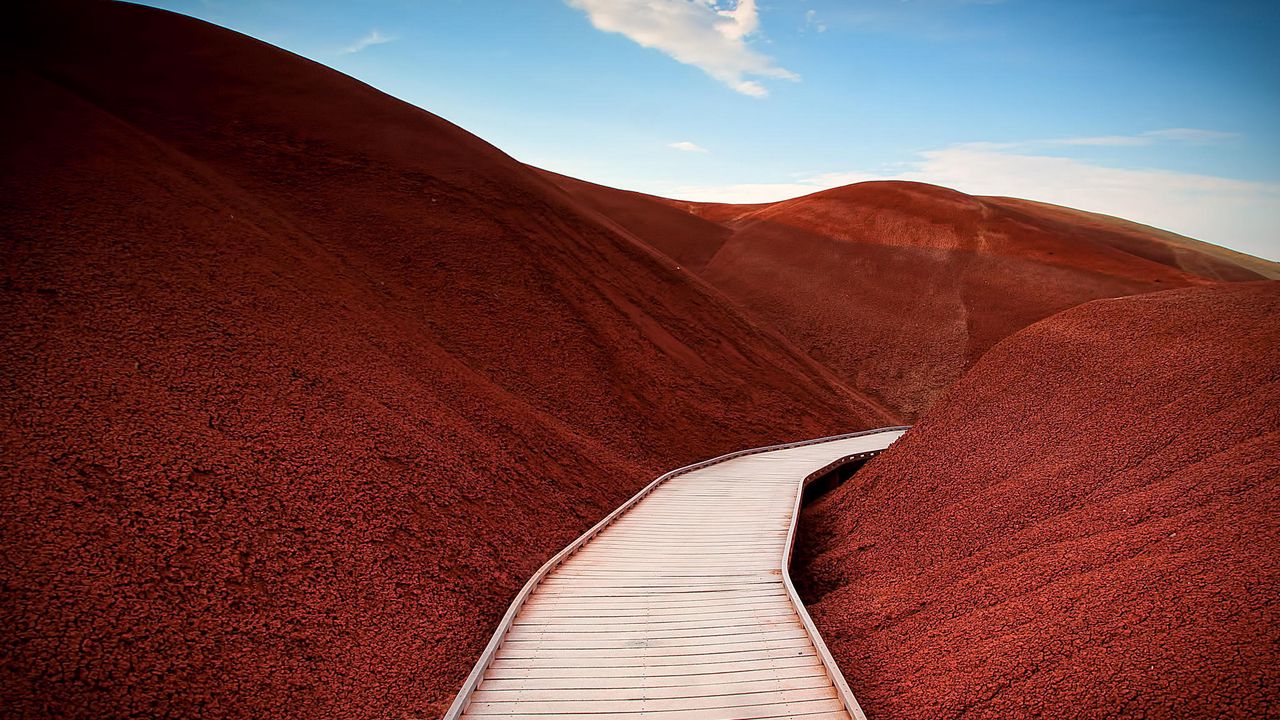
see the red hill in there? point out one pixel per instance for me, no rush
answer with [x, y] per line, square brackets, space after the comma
[899, 287]
[302, 382]
[1083, 526]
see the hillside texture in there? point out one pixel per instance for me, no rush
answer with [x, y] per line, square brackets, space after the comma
[900, 287]
[302, 383]
[1084, 526]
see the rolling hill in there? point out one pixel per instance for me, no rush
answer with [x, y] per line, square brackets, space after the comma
[1083, 525]
[302, 382]
[899, 287]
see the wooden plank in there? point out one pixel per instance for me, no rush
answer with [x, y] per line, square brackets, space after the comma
[512, 669]
[652, 606]
[557, 632]
[771, 685]
[642, 564]
[647, 616]
[582, 587]
[640, 612]
[678, 655]
[727, 678]
[761, 702]
[812, 710]
[684, 643]
[639, 660]
[667, 596]
[748, 616]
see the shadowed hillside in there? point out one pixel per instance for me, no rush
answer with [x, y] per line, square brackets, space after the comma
[302, 382]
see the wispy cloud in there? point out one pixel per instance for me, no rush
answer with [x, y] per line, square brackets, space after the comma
[1194, 135]
[373, 38]
[1239, 214]
[686, 146]
[1151, 137]
[811, 21]
[701, 33]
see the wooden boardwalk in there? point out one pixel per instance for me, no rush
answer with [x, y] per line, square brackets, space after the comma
[677, 605]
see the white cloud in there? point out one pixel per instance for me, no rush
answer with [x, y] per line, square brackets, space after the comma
[373, 38]
[1099, 141]
[1190, 135]
[1151, 137]
[701, 33]
[687, 146]
[1239, 214]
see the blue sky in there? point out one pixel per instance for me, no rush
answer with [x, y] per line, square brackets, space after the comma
[1161, 111]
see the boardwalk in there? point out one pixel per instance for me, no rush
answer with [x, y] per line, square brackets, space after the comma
[676, 606]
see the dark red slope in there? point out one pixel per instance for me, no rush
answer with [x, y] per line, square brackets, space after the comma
[1084, 526]
[446, 218]
[301, 383]
[898, 287]
[673, 230]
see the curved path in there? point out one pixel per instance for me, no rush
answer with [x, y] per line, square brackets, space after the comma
[676, 605]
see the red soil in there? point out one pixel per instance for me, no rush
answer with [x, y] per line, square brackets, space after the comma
[899, 287]
[1084, 526]
[302, 382]
[670, 229]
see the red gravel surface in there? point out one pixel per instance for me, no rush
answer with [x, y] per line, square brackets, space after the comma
[301, 383]
[899, 287]
[1084, 526]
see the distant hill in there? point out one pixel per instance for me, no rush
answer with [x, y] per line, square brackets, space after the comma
[899, 287]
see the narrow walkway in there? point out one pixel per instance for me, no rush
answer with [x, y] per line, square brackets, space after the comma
[677, 605]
